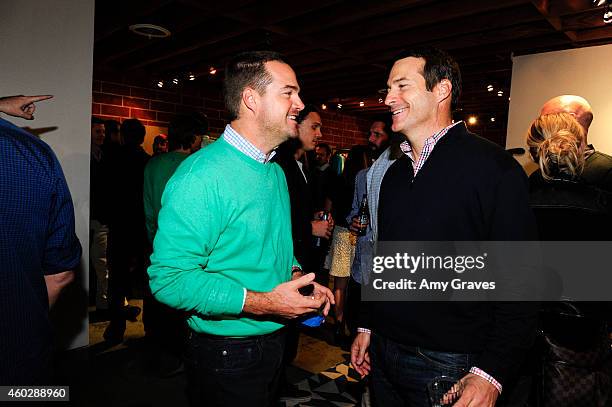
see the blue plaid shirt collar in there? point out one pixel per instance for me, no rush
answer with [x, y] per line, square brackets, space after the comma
[245, 146]
[428, 147]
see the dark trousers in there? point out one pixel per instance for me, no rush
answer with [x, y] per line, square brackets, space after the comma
[234, 371]
[125, 252]
[400, 374]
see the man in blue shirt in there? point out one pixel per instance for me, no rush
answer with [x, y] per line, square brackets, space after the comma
[38, 246]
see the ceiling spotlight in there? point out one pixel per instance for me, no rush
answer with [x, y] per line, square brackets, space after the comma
[500, 93]
[339, 105]
[489, 88]
[361, 104]
[492, 119]
[380, 100]
[191, 77]
[212, 70]
[472, 120]
[175, 81]
[160, 84]
[323, 106]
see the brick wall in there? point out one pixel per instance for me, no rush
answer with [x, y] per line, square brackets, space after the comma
[118, 100]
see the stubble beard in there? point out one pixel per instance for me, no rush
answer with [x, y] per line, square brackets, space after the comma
[275, 132]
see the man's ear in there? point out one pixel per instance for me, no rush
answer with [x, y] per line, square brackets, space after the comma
[250, 98]
[444, 90]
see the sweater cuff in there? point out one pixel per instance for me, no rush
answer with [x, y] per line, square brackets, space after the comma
[243, 299]
[227, 300]
[487, 377]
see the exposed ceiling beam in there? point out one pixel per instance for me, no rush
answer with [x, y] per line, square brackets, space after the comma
[543, 6]
[423, 16]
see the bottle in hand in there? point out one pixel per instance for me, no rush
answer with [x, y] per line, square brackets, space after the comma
[364, 215]
[324, 216]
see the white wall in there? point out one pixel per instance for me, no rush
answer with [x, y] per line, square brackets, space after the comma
[536, 78]
[46, 47]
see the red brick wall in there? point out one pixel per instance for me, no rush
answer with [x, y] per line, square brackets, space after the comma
[155, 107]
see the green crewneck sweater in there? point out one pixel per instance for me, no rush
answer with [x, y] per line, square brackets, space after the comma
[158, 171]
[224, 226]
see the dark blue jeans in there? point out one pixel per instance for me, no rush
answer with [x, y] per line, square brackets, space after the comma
[400, 374]
[234, 371]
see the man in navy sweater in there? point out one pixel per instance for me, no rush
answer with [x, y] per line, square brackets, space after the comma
[449, 185]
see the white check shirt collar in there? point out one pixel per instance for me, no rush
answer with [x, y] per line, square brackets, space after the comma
[245, 146]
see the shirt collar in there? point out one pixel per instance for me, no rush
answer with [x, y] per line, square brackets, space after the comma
[430, 141]
[245, 146]
[589, 150]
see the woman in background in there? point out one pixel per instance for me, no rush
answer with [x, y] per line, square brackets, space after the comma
[342, 251]
[568, 209]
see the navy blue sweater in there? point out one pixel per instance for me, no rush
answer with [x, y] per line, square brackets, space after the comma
[468, 190]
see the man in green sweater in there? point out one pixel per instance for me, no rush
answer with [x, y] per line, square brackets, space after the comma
[223, 250]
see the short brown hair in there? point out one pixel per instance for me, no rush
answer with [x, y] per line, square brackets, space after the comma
[438, 65]
[246, 69]
[557, 143]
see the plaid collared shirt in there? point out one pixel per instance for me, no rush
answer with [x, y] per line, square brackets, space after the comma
[245, 146]
[428, 147]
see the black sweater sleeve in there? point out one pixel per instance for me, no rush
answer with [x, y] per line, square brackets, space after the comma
[513, 323]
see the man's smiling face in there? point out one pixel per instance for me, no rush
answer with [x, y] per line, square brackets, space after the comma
[280, 103]
[411, 104]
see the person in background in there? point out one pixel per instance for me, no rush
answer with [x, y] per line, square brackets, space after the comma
[127, 241]
[98, 213]
[567, 208]
[160, 144]
[165, 326]
[223, 249]
[112, 133]
[322, 177]
[597, 166]
[306, 226]
[379, 136]
[342, 250]
[39, 248]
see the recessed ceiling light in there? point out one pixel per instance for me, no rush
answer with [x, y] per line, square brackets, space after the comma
[492, 119]
[212, 70]
[472, 120]
[380, 100]
[150, 30]
[339, 105]
[160, 84]
[191, 77]
[175, 81]
[361, 104]
[323, 106]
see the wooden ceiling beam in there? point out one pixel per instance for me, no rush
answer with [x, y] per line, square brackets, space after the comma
[543, 6]
[560, 8]
[359, 10]
[587, 20]
[276, 11]
[438, 14]
[603, 34]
